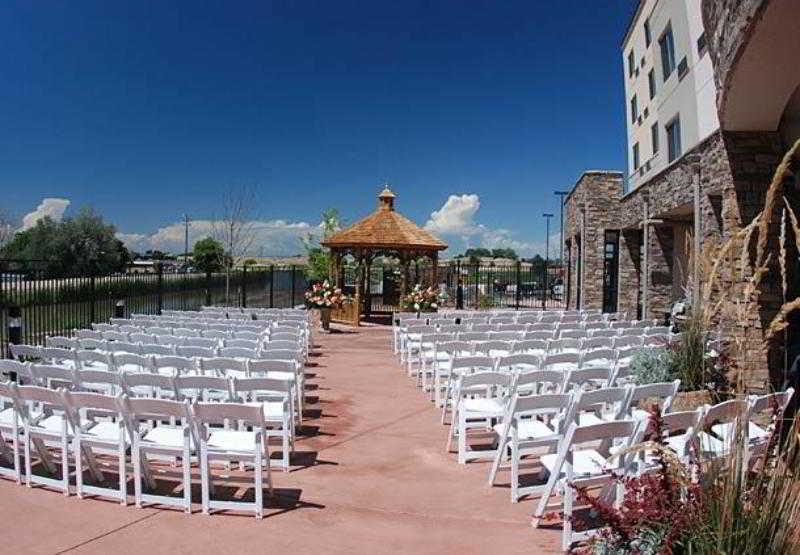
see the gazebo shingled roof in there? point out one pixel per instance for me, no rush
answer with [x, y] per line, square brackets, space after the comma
[385, 229]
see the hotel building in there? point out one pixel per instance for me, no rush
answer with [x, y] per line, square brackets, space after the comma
[712, 103]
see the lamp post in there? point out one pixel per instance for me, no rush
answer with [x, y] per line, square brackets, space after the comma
[547, 217]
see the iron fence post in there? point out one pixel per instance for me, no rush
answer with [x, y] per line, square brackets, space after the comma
[519, 285]
[244, 286]
[459, 287]
[208, 289]
[291, 301]
[544, 286]
[159, 288]
[272, 286]
[477, 288]
[92, 299]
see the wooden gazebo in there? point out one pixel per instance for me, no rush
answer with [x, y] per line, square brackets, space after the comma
[385, 232]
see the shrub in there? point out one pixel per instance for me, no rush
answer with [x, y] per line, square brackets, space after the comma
[653, 365]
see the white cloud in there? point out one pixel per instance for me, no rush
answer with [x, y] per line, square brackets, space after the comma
[53, 207]
[272, 237]
[455, 221]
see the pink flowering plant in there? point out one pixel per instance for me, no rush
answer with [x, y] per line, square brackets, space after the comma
[324, 295]
[421, 299]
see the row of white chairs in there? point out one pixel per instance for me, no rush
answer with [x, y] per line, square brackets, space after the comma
[211, 340]
[80, 425]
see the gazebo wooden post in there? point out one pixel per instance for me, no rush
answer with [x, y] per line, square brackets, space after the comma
[403, 273]
[359, 297]
[435, 270]
[366, 287]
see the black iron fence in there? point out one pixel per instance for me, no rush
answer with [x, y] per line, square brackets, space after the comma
[517, 285]
[45, 305]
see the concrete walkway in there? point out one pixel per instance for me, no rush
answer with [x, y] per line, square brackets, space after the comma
[371, 476]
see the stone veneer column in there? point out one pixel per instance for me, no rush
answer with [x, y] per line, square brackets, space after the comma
[629, 271]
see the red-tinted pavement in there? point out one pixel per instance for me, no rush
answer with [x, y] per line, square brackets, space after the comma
[370, 476]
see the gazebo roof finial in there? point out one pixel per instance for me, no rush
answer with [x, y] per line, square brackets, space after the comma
[386, 198]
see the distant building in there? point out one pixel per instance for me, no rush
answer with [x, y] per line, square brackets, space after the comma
[712, 103]
[150, 266]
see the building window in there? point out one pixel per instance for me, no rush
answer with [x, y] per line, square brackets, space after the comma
[701, 45]
[631, 67]
[654, 137]
[634, 109]
[674, 139]
[636, 157]
[647, 37]
[651, 81]
[667, 46]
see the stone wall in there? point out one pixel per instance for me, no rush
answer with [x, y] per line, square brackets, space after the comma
[595, 197]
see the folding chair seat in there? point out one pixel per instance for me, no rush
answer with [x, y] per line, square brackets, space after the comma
[655, 340]
[148, 385]
[561, 361]
[603, 358]
[60, 342]
[518, 363]
[281, 370]
[536, 347]
[480, 399]
[203, 388]
[505, 335]
[13, 370]
[204, 342]
[568, 345]
[460, 366]
[186, 332]
[172, 366]
[45, 428]
[473, 336]
[10, 431]
[226, 367]
[52, 377]
[241, 343]
[593, 343]
[587, 378]
[102, 382]
[493, 348]
[55, 356]
[580, 463]
[158, 350]
[276, 399]
[532, 424]
[655, 395]
[605, 332]
[130, 362]
[238, 445]
[88, 334]
[93, 360]
[99, 427]
[140, 337]
[241, 353]
[161, 428]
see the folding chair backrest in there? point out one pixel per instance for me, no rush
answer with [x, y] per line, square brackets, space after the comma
[169, 340]
[539, 381]
[185, 332]
[473, 336]
[60, 342]
[596, 376]
[519, 362]
[473, 363]
[572, 334]
[593, 343]
[88, 334]
[504, 335]
[91, 343]
[241, 343]
[220, 366]
[727, 411]
[139, 337]
[262, 366]
[159, 331]
[130, 362]
[205, 342]
[216, 413]
[564, 361]
[8, 366]
[547, 404]
[87, 380]
[157, 410]
[564, 345]
[216, 334]
[531, 346]
[177, 364]
[599, 357]
[115, 336]
[773, 404]
[57, 355]
[610, 332]
[479, 380]
[281, 344]
[88, 359]
[664, 393]
[295, 355]
[257, 389]
[657, 330]
[25, 395]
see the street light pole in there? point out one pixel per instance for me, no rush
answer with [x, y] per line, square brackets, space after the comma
[547, 217]
[186, 240]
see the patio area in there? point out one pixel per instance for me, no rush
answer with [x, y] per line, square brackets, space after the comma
[370, 474]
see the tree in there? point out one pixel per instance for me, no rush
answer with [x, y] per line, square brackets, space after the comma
[504, 253]
[80, 246]
[8, 226]
[235, 229]
[319, 258]
[208, 255]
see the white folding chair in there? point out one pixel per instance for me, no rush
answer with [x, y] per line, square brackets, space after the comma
[531, 424]
[10, 431]
[92, 360]
[149, 385]
[480, 399]
[580, 463]
[155, 349]
[171, 365]
[275, 397]
[657, 396]
[97, 381]
[161, 428]
[227, 367]
[99, 427]
[203, 388]
[232, 445]
[130, 362]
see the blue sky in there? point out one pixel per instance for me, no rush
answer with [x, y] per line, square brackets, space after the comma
[146, 110]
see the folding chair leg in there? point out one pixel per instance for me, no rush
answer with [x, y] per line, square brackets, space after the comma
[136, 459]
[498, 459]
[44, 456]
[27, 449]
[515, 457]
[78, 468]
[462, 439]
[123, 475]
[259, 482]
[566, 536]
[65, 464]
[187, 481]
[205, 479]
[545, 498]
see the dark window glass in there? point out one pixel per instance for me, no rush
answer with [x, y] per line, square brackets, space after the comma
[667, 46]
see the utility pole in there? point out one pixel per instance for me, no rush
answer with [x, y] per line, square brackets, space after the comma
[546, 217]
[186, 239]
[561, 195]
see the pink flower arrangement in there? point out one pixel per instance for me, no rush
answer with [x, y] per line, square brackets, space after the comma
[420, 299]
[324, 295]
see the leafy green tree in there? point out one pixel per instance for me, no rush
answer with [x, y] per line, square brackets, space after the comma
[504, 253]
[79, 246]
[319, 258]
[208, 255]
[477, 252]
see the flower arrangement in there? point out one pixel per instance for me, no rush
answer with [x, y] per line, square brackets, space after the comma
[421, 299]
[324, 295]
